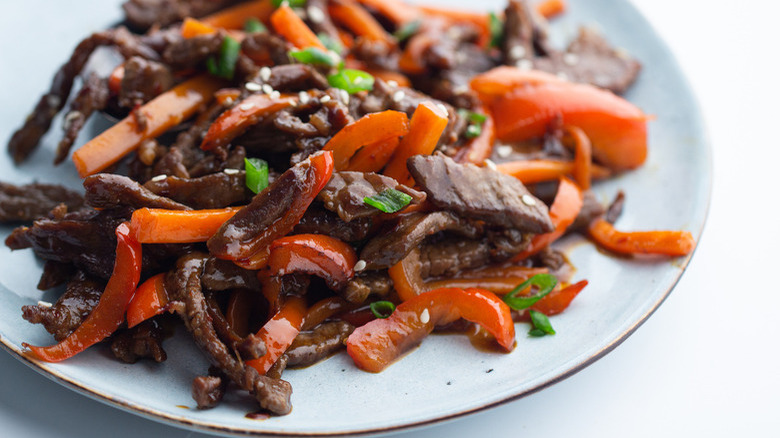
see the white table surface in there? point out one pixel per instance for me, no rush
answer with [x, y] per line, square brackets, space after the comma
[705, 364]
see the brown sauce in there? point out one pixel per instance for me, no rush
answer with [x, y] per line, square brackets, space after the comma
[257, 416]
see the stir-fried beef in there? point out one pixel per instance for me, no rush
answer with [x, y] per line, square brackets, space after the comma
[215, 190]
[292, 78]
[70, 310]
[219, 275]
[479, 193]
[367, 283]
[142, 81]
[92, 97]
[388, 248]
[449, 256]
[264, 48]
[109, 190]
[55, 274]
[319, 20]
[313, 346]
[522, 33]
[615, 208]
[318, 220]
[345, 192]
[143, 14]
[208, 391]
[143, 341]
[32, 201]
[252, 347]
[591, 209]
[24, 141]
[191, 52]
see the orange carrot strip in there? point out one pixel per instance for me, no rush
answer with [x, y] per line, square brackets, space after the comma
[161, 113]
[373, 157]
[534, 171]
[192, 28]
[367, 130]
[279, 333]
[480, 147]
[293, 29]
[551, 8]
[397, 11]
[583, 165]
[226, 96]
[411, 59]
[358, 20]
[670, 243]
[479, 19]
[153, 225]
[427, 124]
[239, 118]
[235, 17]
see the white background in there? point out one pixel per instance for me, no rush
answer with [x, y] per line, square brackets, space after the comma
[705, 364]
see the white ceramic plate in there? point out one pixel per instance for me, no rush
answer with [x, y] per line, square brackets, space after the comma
[446, 377]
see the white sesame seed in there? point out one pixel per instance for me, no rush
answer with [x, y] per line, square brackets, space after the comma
[425, 316]
[69, 118]
[265, 74]
[517, 52]
[344, 96]
[159, 178]
[251, 86]
[525, 64]
[303, 97]
[490, 164]
[443, 109]
[398, 96]
[267, 89]
[230, 171]
[315, 14]
[528, 200]
[360, 265]
[246, 106]
[45, 304]
[562, 76]
[229, 101]
[392, 83]
[275, 94]
[324, 99]
[571, 59]
[504, 151]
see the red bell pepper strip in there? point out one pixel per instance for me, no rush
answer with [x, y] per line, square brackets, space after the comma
[316, 254]
[534, 171]
[377, 344]
[669, 243]
[279, 332]
[324, 309]
[564, 210]
[149, 300]
[367, 130]
[583, 166]
[405, 274]
[373, 157]
[480, 147]
[239, 118]
[109, 313]
[559, 299]
[523, 105]
[156, 225]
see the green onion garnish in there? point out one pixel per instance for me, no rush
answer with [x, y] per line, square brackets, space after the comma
[476, 120]
[224, 65]
[382, 309]
[496, 30]
[256, 174]
[407, 30]
[253, 25]
[292, 3]
[330, 43]
[351, 81]
[388, 201]
[313, 55]
[473, 131]
[544, 282]
[541, 324]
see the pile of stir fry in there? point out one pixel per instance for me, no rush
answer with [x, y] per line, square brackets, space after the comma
[296, 178]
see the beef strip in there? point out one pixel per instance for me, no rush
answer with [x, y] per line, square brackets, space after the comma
[265, 48]
[318, 220]
[449, 256]
[320, 21]
[345, 192]
[189, 53]
[271, 394]
[220, 275]
[591, 209]
[208, 391]
[55, 274]
[143, 341]
[142, 81]
[390, 246]
[24, 141]
[615, 208]
[310, 347]
[143, 14]
[479, 193]
[522, 33]
[252, 347]
[292, 78]
[216, 190]
[32, 201]
[92, 97]
[109, 190]
[367, 283]
[70, 310]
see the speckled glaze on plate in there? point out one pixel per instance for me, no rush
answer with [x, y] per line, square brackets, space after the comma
[446, 377]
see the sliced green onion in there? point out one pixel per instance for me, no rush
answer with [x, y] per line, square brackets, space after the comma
[224, 65]
[351, 81]
[407, 30]
[253, 25]
[330, 43]
[541, 324]
[292, 3]
[476, 120]
[496, 30]
[313, 55]
[388, 201]
[382, 309]
[544, 282]
[473, 131]
[256, 174]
